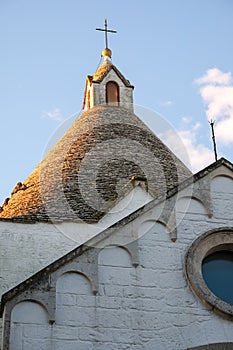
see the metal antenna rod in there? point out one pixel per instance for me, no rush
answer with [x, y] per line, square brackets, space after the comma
[213, 138]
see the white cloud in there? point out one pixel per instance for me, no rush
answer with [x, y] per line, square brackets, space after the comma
[224, 131]
[217, 94]
[55, 114]
[215, 76]
[216, 90]
[200, 156]
[185, 145]
[219, 101]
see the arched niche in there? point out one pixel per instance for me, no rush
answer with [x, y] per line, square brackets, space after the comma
[222, 196]
[114, 256]
[112, 93]
[73, 297]
[152, 227]
[73, 283]
[190, 205]
[145, 227]
[115, 271]
[222, 184]
[27, 319]
[29, 311]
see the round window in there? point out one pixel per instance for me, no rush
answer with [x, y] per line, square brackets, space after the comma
[217, 271]
[209, 269]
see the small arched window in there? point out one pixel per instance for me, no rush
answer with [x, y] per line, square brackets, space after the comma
[112, 93]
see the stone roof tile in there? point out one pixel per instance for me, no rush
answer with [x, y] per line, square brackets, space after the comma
[103, 70]
[83, 175]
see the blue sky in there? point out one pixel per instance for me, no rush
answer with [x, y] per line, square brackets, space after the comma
[178, 54]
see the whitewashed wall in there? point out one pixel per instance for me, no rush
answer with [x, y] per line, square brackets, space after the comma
[27, 248]
[145, 307]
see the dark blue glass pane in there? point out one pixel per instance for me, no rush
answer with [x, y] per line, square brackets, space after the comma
[217, 271]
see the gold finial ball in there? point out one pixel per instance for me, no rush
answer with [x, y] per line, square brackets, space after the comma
[106, 52]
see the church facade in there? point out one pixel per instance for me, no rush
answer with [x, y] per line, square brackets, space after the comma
[112, 243]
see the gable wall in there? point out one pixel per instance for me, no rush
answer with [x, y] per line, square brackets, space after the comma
[149, 306]
[99, 90]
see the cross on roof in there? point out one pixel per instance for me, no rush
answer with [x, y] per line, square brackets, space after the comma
[106, 30]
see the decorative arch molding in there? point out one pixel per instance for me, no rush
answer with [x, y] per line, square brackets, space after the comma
[216, 346]
[216, 240]
[77, 274]
[144, 227]
[168, 219]
[86, 265]
[44, 300]
[228, 175]
[202, 192]
[130, 249]
[25, 302]
[228, 188]
[25, 313]
[198, 198]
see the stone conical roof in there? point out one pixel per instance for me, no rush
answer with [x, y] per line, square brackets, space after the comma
[92, 166]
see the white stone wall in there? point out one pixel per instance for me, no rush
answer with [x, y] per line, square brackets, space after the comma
[27, 248]
[146, 307]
